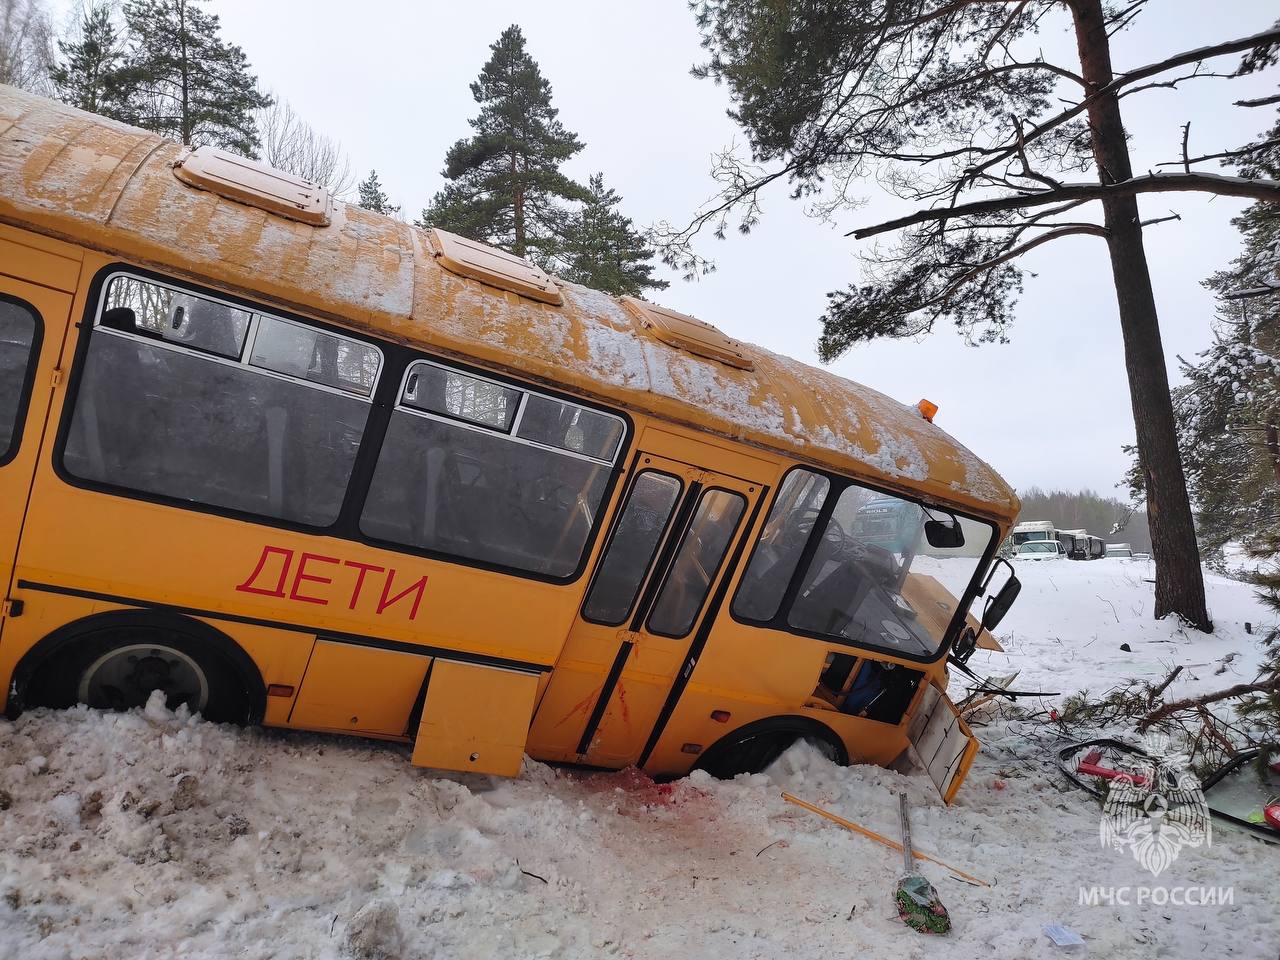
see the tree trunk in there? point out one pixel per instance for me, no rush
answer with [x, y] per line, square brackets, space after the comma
[517, 200]
[186, 75]
[1179, 581]
[1273, 447]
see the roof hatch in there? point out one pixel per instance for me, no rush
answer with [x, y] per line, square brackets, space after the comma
[254, 183]
[689, 333]
[495, 267]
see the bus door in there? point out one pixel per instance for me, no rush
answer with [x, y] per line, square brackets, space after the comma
[666, 553]
[33, 320]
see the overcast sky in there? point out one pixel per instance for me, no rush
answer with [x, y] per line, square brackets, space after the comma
[390, 81]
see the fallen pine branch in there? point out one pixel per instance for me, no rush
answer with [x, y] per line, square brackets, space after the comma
[1239, 690]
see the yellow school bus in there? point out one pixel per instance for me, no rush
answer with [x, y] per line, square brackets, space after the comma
[290, 462]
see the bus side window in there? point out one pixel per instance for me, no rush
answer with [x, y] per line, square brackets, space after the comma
[175, 413]
[458, 474]
[17, 336]
[782, 541]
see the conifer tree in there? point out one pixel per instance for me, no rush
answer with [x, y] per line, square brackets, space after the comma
[184, 81]
[88, 75]
[373, 197]
[504, 183]
[603, 250]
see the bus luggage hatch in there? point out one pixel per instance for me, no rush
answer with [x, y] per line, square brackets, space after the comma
[941, 741]
[475, 718]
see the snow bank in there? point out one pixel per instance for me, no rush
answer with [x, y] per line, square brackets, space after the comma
[156, 835]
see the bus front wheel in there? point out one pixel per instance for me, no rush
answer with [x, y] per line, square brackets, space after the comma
[754, 746]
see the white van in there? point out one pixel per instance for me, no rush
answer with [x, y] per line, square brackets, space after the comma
[1040, 550]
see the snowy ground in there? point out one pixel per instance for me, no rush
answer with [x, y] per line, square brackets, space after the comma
[155, 835]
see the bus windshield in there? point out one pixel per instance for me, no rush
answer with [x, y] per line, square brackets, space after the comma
[871, 577]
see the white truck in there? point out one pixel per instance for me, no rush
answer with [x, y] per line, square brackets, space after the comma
[1033, 531]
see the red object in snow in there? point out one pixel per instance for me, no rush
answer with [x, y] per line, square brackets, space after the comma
[1271, 813]
[1089, 765]
[1275, 766]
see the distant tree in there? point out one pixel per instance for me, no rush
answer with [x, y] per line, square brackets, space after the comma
[88, 73]
[373, 197]
[951, 106]
[291, 144]
[504, 184]
[603, 250]
[26, 45]
[182, 80]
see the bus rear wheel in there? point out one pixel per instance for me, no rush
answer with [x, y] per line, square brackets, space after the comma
[118, 668]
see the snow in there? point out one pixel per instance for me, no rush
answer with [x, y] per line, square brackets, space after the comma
[157, 835]
[1065, 631]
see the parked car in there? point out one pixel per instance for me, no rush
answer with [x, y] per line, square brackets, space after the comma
[1040, 550]
[1119, 550]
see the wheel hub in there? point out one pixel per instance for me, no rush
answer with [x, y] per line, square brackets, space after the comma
[124, 678]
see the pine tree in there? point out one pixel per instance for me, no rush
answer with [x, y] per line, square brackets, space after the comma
[941, 103]
[88, 75]
[603, 250]
[373, 197]
[504, 183]
[184, 81]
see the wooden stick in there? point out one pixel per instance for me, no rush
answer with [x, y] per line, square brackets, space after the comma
[872, 835]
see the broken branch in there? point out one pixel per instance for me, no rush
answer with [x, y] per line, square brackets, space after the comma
[1239, 690]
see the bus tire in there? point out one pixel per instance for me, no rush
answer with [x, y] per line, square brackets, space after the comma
[754, 746]
[113, 661]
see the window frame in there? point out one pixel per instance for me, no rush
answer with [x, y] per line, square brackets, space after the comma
[681, 490]
[90, 327]
[838, 484]
[23, 408]
[713, 576]
[508, 431]
[394, 405]
[511, 433]
[392, 374]
[245, 359]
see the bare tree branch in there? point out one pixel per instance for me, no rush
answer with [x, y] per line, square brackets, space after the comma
[1089, 229]
[1225, 155]
[1268, 190]
[1133, 76]
[1259, 102]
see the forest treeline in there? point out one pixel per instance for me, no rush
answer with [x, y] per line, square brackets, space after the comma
[165, 65]
[1107, 517]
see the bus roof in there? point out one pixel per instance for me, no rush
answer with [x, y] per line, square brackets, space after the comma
[102, 184]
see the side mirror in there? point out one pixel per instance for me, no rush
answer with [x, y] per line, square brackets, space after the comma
[999, 605]
[944, 534]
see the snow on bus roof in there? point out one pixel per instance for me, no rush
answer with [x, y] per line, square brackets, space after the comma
[109, 186]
